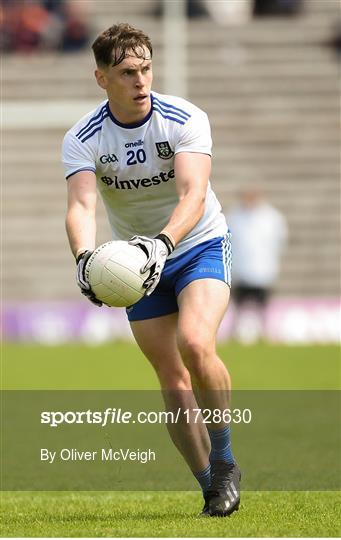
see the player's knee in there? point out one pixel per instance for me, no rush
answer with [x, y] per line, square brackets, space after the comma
[195, 352]
[174, 379]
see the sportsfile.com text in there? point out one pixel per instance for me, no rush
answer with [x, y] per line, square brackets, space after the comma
[120, 416]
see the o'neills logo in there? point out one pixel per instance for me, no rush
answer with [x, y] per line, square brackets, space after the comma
[138, 182]
[133, 144]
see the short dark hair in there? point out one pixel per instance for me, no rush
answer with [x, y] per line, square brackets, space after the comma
[119, 39]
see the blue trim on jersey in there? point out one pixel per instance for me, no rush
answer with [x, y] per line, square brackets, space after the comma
[129, 126]
[169, 111]
[175, 110]
[98, 122]
[174, 119]
[92, 133]
[79, 170]
[163, 108]
[94, 118]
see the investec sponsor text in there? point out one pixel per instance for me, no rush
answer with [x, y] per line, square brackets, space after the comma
[136, 183]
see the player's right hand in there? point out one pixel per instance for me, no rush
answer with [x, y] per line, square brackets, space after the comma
[157, 250]
[82, 282]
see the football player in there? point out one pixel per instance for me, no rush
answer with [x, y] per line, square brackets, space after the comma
[149, 157]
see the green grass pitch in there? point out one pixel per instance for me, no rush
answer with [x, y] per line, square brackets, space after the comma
[165, 514]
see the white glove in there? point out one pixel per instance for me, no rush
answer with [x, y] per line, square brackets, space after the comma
[82, 282]
[157, 250]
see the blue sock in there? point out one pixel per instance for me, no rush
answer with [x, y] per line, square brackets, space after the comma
[221, 445]
[204, 478]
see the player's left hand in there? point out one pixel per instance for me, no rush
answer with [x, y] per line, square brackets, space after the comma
[157, 250]
[82, 282]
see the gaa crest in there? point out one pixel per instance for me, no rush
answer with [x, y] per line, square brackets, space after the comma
[164, 151]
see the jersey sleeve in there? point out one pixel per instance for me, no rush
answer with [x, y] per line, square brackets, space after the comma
[195, 135]
[76, 156]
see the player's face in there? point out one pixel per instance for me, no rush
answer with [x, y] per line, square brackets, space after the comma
[128, 87]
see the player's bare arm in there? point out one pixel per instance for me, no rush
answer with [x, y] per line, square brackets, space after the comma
[192, 171]
[81, 225]
[81, 212]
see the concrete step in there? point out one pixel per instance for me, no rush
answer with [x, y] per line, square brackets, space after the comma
[58, 74]
[59, 261]
[235, 107]
[233, 58]
[223, 89]
[244, 105]
[256, 168]
[232, 53]
[227, 89]
[303, 244]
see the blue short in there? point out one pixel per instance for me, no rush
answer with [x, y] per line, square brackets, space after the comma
[210, 259]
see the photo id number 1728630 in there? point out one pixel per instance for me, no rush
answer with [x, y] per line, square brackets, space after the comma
[217, 416]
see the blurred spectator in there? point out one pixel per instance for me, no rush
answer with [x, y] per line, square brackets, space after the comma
[276, 7]
[76, 29]
[22, 24]
[39, 25]
[259, 234]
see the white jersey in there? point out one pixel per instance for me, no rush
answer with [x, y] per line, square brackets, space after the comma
[134, 166]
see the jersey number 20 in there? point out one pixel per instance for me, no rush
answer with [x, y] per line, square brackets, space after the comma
[133, 158]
